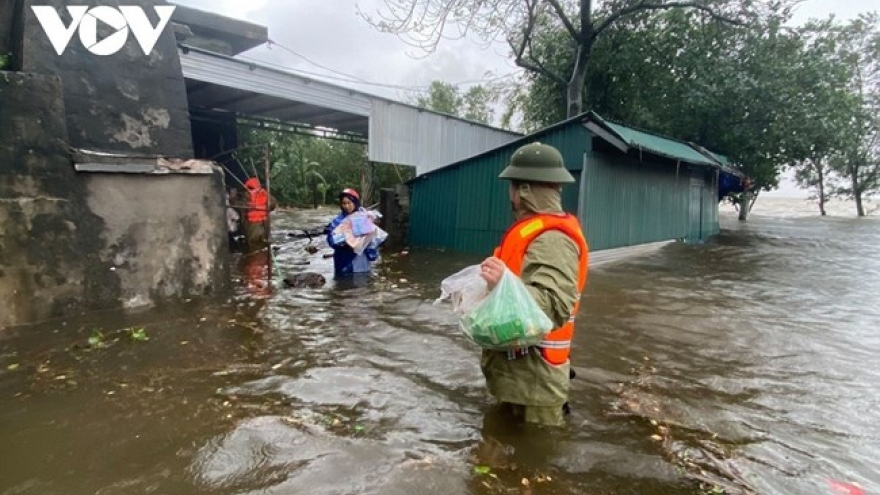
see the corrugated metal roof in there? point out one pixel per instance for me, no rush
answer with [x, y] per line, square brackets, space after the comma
[662, 146]
[634, 138]
[515, 143]
[398, 132]
[214, 68]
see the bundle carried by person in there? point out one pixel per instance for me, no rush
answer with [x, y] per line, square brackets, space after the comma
[359, 230]
[505, 318]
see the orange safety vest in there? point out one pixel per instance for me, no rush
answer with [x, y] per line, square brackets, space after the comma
[556, 346]
[259, 206]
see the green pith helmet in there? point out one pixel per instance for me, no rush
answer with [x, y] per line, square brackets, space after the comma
[536, 162]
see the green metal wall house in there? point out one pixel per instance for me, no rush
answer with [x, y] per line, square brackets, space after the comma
[632, 187]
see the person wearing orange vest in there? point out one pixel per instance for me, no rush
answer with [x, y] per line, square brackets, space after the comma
[547, 249]
[257, 212]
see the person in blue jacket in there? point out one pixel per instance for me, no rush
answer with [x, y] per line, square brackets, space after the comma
[345, 261]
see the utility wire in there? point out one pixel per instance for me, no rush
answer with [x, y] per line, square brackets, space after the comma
[358, 80]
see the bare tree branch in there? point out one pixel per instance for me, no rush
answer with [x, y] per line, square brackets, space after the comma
[530, 66]
[526, 42]
[560, 13]
[643, 6]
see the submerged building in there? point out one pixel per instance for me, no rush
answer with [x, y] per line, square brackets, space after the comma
[632, 187]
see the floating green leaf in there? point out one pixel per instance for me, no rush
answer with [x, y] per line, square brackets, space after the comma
[482, 470]
[97, 338]
[138, 334]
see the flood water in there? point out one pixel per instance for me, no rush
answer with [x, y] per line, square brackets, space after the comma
[751, 362]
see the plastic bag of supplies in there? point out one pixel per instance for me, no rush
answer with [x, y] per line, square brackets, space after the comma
[359, 231]
[507, 317]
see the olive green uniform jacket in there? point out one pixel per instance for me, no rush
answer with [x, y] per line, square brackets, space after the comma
[536, 389]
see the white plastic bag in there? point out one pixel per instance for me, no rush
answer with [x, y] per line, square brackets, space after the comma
[507, 317]
[466, 289]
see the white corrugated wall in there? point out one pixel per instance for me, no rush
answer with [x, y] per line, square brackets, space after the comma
[407, 135]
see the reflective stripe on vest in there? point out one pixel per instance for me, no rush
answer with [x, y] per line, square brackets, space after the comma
[259, 206]
[556, 346]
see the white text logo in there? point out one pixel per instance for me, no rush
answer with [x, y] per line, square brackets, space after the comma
[121, 19]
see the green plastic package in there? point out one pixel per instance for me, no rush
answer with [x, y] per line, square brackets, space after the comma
[507, 317]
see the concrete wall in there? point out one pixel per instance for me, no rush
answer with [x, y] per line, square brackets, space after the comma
[77, 241]
[49, 240]
[168, 242]
[126, 102]
[72, 242]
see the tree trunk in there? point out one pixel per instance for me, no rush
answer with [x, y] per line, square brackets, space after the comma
[366, 183]
[314, 194]
[821, 175]
[575, 90]
[744, 205]
[857, 192]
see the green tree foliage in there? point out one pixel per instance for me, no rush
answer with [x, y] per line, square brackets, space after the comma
[831, 111]
[309, 170]
[684, 74]
[442, 97]
[474, 104]
[858, 165]
[582, 24]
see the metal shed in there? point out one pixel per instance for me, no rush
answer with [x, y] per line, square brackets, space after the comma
[632, 187]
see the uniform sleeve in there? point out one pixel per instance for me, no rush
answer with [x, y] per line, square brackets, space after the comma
[550, 273]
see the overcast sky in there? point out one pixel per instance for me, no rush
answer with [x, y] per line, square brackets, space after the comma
[330, 34]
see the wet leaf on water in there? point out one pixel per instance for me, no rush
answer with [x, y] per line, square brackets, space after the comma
[138, 334]
[482, 469]
[12, 367]
[656, 438]
[96, 339]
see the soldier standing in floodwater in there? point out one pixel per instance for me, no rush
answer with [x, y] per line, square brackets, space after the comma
[258, 206]
[546, 248]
